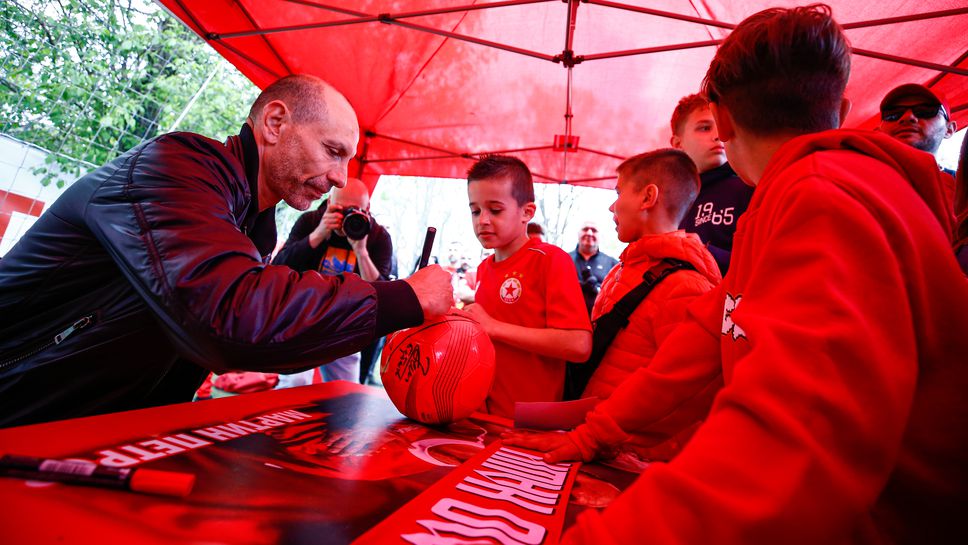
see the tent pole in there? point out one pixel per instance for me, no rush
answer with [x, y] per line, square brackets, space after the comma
[912, 62]
[467, 155]
[415, 144]
[361, 17]
[337, 9]
[254, 62]
[647, 50]
[568, 55]
[471, 39]
[612, 155]
[906, 18]
[265, 39]
[934, 81]
[423, 13]
[660, 13]
[421, 158]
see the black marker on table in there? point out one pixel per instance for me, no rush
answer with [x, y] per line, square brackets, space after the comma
[150, 481]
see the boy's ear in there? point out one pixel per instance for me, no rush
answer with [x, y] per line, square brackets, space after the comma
[845, 106]
[724, 121]
[650, 196]
[529, 210]
[675, 142]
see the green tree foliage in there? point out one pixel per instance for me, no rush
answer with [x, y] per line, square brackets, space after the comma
[90, 79]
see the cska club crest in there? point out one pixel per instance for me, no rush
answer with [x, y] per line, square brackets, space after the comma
[511, 289]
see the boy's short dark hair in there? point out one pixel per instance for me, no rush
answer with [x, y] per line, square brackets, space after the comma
[782, 71]
[499, 166]
[672, 171]
[687, 105]
[535, 229]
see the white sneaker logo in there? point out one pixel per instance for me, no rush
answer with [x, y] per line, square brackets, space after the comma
[730, 327]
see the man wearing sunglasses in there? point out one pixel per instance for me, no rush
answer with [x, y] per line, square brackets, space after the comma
[918, 117]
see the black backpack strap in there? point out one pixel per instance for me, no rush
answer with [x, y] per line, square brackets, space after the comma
[608, 325]
[624, 308]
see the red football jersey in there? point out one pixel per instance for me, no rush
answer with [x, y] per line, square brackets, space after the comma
[536, 287]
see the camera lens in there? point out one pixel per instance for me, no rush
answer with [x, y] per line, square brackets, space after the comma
[356, 223]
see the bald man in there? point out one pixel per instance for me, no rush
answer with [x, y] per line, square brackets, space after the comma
[151, 270]
[591, 264]
[318, 242]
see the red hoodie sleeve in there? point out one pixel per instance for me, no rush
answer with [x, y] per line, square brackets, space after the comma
[686, 365]
[803, 437]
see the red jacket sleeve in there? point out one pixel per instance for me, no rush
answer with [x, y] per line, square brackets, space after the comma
[686, 365]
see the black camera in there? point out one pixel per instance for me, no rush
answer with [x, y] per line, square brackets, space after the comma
[356, 223]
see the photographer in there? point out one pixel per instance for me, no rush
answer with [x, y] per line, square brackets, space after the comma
[319, 242]
[340, 237]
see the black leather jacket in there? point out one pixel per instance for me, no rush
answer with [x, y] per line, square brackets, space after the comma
[148, 259]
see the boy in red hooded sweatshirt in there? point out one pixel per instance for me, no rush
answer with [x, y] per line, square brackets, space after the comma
[655, 190]
[838, 332]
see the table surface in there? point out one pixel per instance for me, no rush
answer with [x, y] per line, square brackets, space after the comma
[316, 464]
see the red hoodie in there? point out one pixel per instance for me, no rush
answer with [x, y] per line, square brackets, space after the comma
[841, 336]
[653, 320]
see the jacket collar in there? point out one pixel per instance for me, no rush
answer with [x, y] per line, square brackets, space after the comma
[579, 256]
[714, 175]
[250, 161]
[260, 227]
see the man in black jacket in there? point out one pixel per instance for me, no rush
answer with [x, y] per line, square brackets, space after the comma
[157, 258]
[318, 242]
[591, 264]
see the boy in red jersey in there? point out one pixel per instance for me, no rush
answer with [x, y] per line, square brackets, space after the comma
[838, 333]
[528, 298]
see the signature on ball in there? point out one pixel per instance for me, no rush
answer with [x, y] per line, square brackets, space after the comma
[410, 362]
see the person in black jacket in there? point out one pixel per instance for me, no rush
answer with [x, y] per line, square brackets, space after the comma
[318, 242]
[152, 269]
[591, 264]
[723, 196]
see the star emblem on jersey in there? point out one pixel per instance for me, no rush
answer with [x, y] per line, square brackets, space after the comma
[510, 290]
[730, 327]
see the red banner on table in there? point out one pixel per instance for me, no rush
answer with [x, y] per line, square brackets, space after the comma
[329, 463]
[502, 495]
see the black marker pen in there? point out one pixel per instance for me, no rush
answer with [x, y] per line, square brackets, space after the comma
[150, 481]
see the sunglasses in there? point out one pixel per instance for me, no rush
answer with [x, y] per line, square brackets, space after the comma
[921, 111]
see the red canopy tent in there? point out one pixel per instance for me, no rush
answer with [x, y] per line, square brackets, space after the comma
[437, 82]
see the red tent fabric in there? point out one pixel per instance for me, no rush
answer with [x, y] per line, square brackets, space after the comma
[436, 82]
